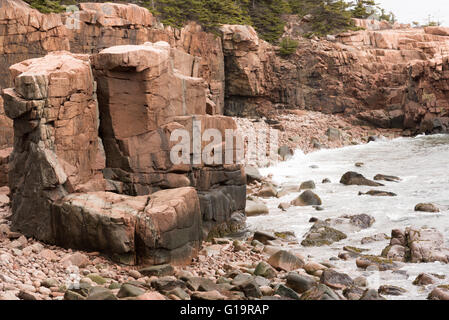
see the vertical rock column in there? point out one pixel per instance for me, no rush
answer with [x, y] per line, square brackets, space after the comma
[56, 146]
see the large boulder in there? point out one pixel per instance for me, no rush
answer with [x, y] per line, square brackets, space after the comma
[417, 245]
[164, 227]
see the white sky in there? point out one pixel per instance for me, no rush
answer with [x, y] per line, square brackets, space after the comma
[408, 11]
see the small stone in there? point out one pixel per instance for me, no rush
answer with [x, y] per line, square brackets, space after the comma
[97, 278]
[427, 207]
[135, 274]
[307, 185]
[265, 270]
[159, 270]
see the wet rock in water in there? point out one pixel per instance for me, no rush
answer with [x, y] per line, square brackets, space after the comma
[285, 260]
[417, 245]
[299, 282]
[386, 178]
[321, 234]
[354, 178]
[424, 279]
[326, 180]
[391, 290]
[363, 220]
[371, 294]
[307, 198]
[286, 235]
[314, 166]
[159, 270]
[355, 252]
[267, 191]
[285, 152]
[426, 207]
[255, 208]
[373, 139]
[284, 291]
[353, 293]
[284, 206]
[307, 185]
[286, 190]
[100, 293]
[252, 174]
[378, 193]
[359, 164]
[375, 238]
[439, 293]
[336, 280]
[361, 281]
[380, 263]
[318, 208]
[265, 270]
[263, 237]
[320, 292]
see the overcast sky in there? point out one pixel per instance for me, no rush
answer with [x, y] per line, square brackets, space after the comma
[408, 11]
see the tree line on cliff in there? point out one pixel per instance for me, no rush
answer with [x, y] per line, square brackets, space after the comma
[266, 16]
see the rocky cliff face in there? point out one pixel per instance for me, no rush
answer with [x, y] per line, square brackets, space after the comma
[391, 78]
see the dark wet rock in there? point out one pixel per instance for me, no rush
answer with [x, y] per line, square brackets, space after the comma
[285, 260]
[380, 263]
[307, 198]
[251, 289]
[371, 294]
[27, 296]
[252, 174]
[299, 282]
[439, 293]
[255, 208]
[321, 234]
[318, 208]
[314, 166]
[391, 290]
[73, 296]
[355, 252]
[387, 178]
[424, 279]
[307, 185]
[284, 291]
[284, 206]
[129, 290]
[353, 293]
[426, 207]
[100, 293]
[359, 164]
[326, 180]
[158, 271]
[263, 237]
[261, 281]
[167, 284]
[263, 269]
[336, 280]
[373, 138]
[320, 292]
[378, 193]
[375, 238]
[354, 178]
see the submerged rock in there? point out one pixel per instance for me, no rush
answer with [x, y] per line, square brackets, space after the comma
[387, 178]
[378, 193]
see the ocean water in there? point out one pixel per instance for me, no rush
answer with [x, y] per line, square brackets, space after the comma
[423, 165]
